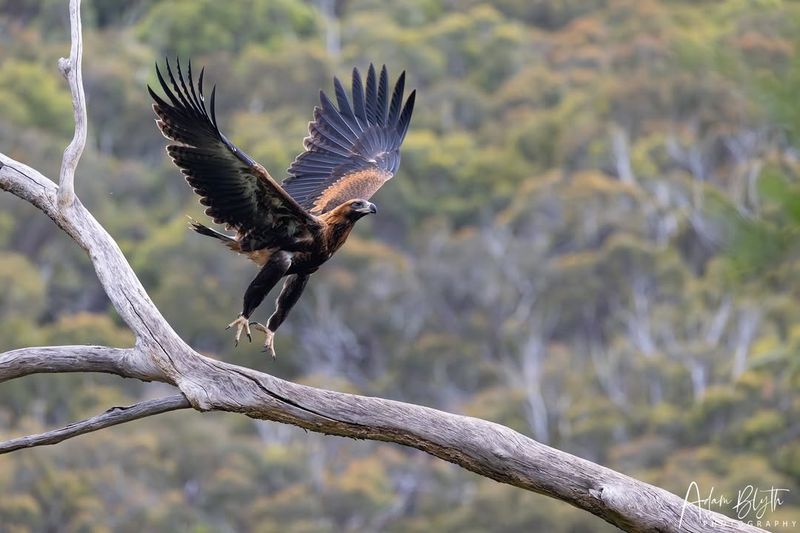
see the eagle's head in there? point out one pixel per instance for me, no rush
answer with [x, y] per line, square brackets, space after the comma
[347, 213]
[355, 209]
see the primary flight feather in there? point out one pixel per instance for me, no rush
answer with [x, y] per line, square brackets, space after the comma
[288, 229]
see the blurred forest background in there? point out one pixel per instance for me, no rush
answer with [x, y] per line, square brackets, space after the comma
[591, 239]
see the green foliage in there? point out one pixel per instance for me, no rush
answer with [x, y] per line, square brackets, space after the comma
[190, 28]
[592, 239]
[23, 296]
[31, 94]
[89, 329]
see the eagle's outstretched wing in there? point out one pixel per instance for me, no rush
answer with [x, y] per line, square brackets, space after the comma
[238, 191]
[353, 150]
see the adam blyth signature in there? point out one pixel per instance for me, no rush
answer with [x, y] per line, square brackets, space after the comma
[751, 504]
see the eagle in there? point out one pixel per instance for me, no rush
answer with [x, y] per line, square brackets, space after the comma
[288, 229]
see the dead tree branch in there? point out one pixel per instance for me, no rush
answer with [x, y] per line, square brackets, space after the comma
[112, 417]
[124, 362]
[71, 69]
[483, 447]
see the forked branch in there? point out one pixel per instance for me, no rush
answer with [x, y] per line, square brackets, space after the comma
[483, 447]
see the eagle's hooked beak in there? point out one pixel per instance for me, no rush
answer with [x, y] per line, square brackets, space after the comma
[368, 209]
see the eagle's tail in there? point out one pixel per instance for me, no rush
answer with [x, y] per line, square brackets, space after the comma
[227, 240]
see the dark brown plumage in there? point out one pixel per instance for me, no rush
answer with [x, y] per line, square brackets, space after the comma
[289, 229]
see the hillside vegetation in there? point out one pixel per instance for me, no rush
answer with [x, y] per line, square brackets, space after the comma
[591, 239]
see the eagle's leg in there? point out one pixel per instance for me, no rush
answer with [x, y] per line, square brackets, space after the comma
[292, 289]
[267, 278]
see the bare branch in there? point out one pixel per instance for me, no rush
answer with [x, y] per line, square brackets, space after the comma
[480, 446]
[112, 417]
[155, 337]
[71, 69]
[125, 362]
[483, 447]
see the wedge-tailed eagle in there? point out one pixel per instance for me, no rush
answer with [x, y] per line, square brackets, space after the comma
[288, 229]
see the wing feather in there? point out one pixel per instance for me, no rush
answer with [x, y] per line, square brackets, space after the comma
[359, 107]
[372, 96]
[330, 115]
[383, 89]
[237, 191]
[351, 151]
[397, 98]
[349, 117]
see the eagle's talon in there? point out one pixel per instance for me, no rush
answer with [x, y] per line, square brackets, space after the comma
[269, 342]
[241, 323]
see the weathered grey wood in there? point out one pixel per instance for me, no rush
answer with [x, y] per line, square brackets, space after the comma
[112, 417]
[483, 447]
[71, 69]
[125, 362]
